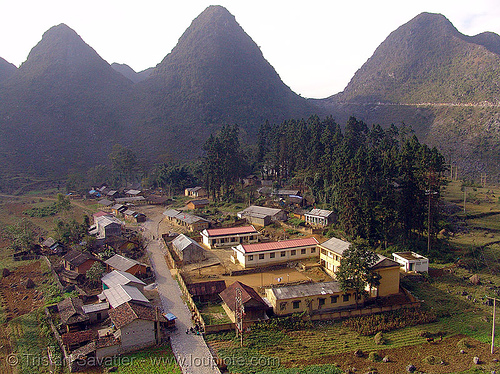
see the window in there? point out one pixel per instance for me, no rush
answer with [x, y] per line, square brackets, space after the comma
[271, 255]
[333, 299]
[250, 258]
[345, 297]
[283, 254]
[296, 304]
[303, 251]
[261, 256]
[283, 305]
[313, 250]
[321, 302]
[293, 252]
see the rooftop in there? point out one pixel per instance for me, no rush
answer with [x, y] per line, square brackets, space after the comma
[259, 210]
[410, 255]
[116, 278]
[284, 244]
[336, 245]
[229, 231]
[320, 213]
[121, 294]
[305, 290]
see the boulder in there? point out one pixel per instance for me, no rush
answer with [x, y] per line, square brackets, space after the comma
[30, 283]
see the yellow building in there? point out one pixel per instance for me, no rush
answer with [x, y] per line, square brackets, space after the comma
[331, 253]
[310, 297]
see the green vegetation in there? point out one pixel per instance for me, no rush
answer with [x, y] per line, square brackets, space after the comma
[63, 203]
[157, 360]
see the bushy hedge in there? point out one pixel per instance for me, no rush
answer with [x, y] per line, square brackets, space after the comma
[397, 319]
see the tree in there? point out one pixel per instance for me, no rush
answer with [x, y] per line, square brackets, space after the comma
[95, 273]
[23, 235]
[355, 271]
[124, 163]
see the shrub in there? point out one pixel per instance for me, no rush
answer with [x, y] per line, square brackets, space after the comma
[464, 344]
[398, 319]
[379, 338]
[432, 360]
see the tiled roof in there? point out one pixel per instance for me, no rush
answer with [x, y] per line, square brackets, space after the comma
[77, 337]
[70, 311]
[247, 294]
[106, 341]
[231, 231]
[76, 258]
[284, 244]
[129, 312]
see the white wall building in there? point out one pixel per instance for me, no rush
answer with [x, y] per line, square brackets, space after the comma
[411, 261]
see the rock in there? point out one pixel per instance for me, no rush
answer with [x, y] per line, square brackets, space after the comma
[411, 368]
[358, 353]
[475, 280]
[386, 359]
[475, 360]
[5, 272]
[30, 283]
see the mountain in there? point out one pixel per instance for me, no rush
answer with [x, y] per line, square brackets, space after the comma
[6, 70]
[215, 75]
[130, 73]
[63, 108]
[429, 60]
[444, 84]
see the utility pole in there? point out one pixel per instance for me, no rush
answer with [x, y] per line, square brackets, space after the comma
[493, 324]
[238, 314]
[429, 193]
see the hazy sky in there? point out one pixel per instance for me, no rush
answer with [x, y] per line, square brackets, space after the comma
[315, 46]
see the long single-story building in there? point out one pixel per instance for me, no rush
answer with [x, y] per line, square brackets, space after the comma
[188, 250]
[193, 223]
[309, 297]
[227, 237]
[263, 254]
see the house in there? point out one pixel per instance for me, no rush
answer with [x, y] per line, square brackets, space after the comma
[157, 200]
[227, 237]
[97, 312]
[71, 314]
[125, 264]
[106, 226]
[188, 250]
[250, 180]
[197, 204]
[193, 223]
[264, 254]
[105, 202]
[319, 217]
[411, 261]
[282, 192]
[132, 193]
[195, 192]
[133, 216]
[121, 294]
[262, 216]
[76, 339]
[136, 200]
[309, 297]
[113, 194]
[78, 262]
[331, 253]
[255, 308]
[53, 246]
[118, 209]
[121, 278]
[206, 291]
[137, 326]
[99, 214]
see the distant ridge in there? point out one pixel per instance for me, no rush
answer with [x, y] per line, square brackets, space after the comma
[130, 73]
[6, 70]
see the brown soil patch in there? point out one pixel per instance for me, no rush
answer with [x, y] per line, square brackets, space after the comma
[16, 299]
[447, 350]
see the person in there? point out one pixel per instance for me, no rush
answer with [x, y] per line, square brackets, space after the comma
[187, 331]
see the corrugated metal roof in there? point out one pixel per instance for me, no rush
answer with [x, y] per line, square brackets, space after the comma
[116, 278]
[336, 245]
[119, 295]
[319, 213]
[230, 231]
[183, 241]
[119, 262]
[259, 210]
[93, 308]
[305, 290]
[284, 244]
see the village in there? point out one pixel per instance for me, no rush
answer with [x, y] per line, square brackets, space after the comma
[249, 266]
